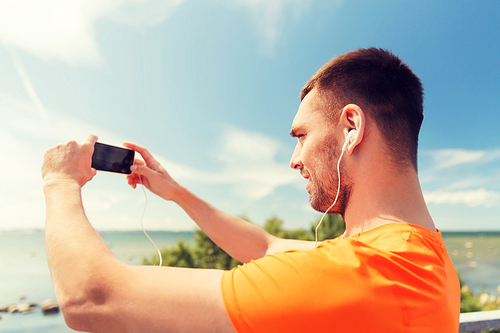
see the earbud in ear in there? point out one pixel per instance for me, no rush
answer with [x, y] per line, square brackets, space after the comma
[351, 134]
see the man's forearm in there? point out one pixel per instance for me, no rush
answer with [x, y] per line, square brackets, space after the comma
[241, 239]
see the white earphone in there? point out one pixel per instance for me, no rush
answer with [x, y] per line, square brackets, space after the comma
[351, 134]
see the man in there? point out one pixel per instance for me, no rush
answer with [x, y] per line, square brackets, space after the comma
[357, 130]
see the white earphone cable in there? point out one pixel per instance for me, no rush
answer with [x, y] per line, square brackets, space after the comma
[334, 202]
[142, 224]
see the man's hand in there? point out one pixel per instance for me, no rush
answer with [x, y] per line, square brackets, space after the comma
[70, 161]
[151, 174]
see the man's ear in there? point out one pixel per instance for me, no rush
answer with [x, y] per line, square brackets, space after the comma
[353, 117]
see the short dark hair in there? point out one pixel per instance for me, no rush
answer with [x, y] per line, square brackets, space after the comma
[384, 87]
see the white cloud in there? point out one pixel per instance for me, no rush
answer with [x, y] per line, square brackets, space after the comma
[141, 13]
[447, 158]
[65, 30]
[20, 187]
[471, 198]
[24, 122]
[51, 28]
[269, 17]
[28, 86]
[243, 147]
[471, 182]
[249, 165]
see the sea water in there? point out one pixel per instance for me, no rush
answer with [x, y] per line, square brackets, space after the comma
[24, 271]
[476, 257]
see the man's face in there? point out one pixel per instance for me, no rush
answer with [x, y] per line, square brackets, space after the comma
[316, 155]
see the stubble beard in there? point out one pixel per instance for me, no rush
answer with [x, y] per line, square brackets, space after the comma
[324, 185]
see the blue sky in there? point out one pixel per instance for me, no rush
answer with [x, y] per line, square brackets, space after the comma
[210, 87]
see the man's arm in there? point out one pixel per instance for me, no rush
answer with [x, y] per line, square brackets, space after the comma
[241, 239]
[97, 292]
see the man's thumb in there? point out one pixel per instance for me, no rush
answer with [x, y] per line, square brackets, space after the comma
[139, 169]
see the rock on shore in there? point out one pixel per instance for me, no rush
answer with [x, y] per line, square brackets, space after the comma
[47, 307]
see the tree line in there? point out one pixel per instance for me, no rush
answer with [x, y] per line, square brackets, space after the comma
[206, 254]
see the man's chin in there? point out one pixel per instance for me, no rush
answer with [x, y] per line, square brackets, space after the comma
[318, 202]
[317, 206]
[323, 206]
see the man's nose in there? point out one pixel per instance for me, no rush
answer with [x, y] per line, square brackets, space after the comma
[295, 161]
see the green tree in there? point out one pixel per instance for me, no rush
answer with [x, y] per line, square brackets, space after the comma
[473, 303]
[274, 226]
[180, 255]
[208, 255]
[332, 226]
[468, 302]
[204, 254]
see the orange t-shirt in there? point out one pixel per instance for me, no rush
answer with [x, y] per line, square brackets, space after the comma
[393, 278]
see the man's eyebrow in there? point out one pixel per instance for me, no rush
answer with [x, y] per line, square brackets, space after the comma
[295, 131]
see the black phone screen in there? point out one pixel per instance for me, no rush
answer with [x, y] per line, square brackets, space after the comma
[112, 159]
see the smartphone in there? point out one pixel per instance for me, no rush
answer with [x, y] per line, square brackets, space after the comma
[112, 159]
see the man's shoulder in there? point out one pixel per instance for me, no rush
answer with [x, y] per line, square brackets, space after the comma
[389, 240]
[399, 233]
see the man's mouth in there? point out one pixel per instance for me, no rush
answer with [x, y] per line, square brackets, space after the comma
[309, 183]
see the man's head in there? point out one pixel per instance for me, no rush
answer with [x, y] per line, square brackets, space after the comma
[384, 87]
[367, 83]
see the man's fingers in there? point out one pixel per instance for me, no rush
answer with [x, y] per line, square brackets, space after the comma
[133, 179]
[90, 139]
[146, 155]
[71, 160]
[138, 161]
[140, 169]
[89, 142]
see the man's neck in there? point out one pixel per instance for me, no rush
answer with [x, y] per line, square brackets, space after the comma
[386, 196]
